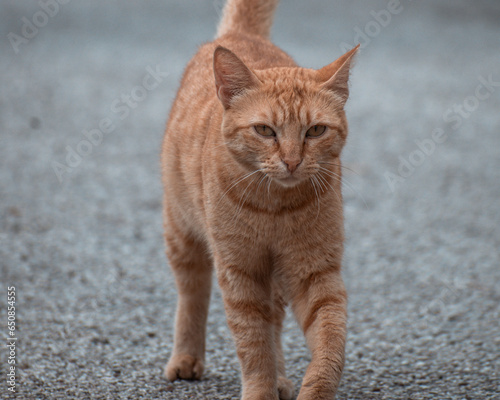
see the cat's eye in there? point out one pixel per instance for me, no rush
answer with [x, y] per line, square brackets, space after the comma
[264, 130]
[316, 131]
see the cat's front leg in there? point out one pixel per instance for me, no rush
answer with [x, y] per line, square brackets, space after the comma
[320, 304]
[248, 303]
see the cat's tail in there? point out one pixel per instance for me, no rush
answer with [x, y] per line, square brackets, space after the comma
[248, 16]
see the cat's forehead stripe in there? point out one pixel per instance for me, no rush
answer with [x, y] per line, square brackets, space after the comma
[288, 93]
[283, 109]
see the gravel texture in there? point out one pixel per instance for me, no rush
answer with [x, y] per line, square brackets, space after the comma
[94, 296]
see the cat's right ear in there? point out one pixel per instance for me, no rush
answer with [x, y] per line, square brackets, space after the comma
[232, 76]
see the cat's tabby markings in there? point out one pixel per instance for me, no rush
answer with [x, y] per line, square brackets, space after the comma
[252, 176]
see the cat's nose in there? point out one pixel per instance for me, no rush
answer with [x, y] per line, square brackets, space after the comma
[292, 164]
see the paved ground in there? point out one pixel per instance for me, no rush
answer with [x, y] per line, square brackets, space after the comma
[80, 226]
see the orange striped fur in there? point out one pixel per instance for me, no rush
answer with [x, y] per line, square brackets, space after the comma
[264, 210]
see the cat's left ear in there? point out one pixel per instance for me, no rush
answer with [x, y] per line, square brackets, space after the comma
[336, 75]
[232, 76]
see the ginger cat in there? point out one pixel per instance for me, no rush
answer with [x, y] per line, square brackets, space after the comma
[252, 176]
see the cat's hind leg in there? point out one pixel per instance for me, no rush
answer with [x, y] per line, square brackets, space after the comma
[192, 268]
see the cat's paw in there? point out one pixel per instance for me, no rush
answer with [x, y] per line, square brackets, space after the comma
[184, 366]
[285, 388]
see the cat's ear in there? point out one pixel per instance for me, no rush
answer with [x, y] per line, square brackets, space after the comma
[232, 76]
[336, 75]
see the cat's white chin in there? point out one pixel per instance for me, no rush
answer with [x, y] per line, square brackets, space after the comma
[289, 181]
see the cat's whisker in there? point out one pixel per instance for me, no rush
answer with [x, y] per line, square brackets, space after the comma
[349, 185]
[243, 198]
[321, 183]
[236, 183]
[323, 180]
[260, 182]
[317, 195]
[269, 187]
[329, 184]
[341, 166]
[258, 186]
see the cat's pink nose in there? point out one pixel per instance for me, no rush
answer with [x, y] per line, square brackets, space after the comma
[292, 164]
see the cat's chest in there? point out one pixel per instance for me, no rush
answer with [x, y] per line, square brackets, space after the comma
[256, 222]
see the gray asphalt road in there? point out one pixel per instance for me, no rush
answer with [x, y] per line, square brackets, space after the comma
[84, 92]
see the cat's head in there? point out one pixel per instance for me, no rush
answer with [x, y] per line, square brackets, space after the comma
[287, 122]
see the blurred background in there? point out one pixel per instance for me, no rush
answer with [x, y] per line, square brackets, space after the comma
[85, 89]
